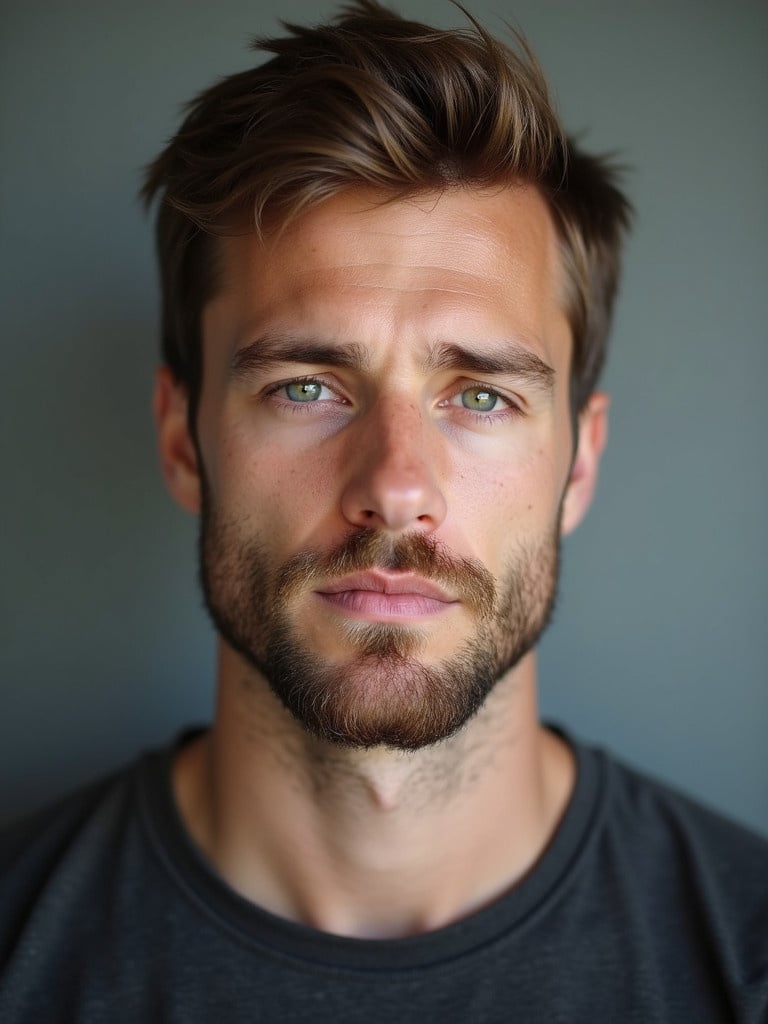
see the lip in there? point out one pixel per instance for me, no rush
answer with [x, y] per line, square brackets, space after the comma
[383, 583]
[378, 595]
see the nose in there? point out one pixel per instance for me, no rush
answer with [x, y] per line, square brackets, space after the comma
[391, 482]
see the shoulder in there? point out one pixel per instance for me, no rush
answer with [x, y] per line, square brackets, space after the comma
[689, 861]
[72, 878]
[33, 847]
[52, 826]
[94, 816]
[56, 858]
[647, 809]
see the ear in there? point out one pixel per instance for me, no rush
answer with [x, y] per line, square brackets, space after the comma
[178, 456]
[593, 433]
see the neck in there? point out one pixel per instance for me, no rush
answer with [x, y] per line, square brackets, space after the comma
[374, 843]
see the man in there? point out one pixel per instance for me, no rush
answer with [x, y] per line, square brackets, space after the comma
[387, 285]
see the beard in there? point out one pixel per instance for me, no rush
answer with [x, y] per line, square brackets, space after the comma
[383, 694]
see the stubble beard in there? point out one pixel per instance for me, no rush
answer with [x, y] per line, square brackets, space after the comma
[383, 694]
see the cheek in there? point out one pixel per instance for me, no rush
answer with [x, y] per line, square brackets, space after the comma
[506, 501]
[280, 492]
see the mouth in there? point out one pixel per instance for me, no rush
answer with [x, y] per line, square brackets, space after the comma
[390, 596]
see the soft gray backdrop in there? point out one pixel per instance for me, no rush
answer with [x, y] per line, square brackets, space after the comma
[660, 646]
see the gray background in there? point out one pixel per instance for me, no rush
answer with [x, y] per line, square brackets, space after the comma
[659, 648]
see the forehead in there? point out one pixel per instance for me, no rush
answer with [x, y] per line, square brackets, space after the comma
[436, 265]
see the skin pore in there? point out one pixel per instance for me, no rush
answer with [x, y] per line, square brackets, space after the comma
[401, 369]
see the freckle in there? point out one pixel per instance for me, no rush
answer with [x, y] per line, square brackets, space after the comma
[530, 508]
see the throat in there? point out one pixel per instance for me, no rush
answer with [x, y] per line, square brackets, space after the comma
[373, 843]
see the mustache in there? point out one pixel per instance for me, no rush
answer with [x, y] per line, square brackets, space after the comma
[365, 550]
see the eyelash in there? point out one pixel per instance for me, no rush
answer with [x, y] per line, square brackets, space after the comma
[493, 415]
[300, 408]
[513, 410]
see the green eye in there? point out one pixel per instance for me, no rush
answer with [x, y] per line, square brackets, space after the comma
[479, 399]
[303, 391]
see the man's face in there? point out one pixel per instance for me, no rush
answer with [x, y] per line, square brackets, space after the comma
[385, 440]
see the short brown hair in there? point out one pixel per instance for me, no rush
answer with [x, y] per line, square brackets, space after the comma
[372, 99]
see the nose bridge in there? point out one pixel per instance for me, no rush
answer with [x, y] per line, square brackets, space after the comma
[398, 425]
[393, 482]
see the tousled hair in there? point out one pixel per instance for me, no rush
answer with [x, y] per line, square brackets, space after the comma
[375, 100]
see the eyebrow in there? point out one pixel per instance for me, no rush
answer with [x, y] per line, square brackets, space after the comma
[271, 348]
[510, 358]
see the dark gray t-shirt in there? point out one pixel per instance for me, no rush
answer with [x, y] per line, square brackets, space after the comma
[645, 907]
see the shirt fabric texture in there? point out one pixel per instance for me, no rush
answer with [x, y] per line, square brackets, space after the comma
[644, 907]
